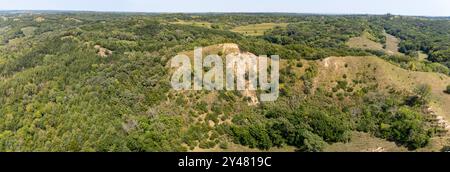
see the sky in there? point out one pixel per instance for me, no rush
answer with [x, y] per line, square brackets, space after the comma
[400, 7]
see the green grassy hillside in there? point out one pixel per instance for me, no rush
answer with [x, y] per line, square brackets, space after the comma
[100, 82]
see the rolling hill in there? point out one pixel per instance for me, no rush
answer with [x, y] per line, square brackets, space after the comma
[101, 82]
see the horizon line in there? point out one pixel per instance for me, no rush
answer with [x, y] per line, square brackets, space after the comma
[205, 12]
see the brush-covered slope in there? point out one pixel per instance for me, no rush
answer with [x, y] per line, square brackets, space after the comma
[100, 82]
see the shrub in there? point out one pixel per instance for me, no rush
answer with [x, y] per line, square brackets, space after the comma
[202, 107]
[409, 122]
[342, 84]
[223, 145]
[212, 117]
[312, 143]
[423, 93]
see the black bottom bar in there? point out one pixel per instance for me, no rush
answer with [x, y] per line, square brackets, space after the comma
[225, 161]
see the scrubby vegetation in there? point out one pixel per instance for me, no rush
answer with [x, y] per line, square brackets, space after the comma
[429, 36]
[59, 93]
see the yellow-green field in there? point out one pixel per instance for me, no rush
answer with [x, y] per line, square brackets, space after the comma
[193, 23]
[392, 44]
[422, 56]
[364, 142]
[257, 29]
[28, 31]
[364, 42]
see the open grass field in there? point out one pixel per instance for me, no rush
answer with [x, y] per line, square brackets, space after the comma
[223, 49]
[193, 23]
[422, 56]
[392, 44]
[363, 142]
[364, 42]
[28, 31]
[257, 29]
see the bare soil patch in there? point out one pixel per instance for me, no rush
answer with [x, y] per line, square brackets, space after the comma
[103, 52]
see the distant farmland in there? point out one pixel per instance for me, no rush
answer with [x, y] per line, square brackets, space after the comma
[193, 23]
[257, 29]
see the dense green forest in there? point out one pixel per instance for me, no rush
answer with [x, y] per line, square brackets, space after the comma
[99, 82]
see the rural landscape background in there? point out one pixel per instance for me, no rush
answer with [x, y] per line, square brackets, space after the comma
[100, 81]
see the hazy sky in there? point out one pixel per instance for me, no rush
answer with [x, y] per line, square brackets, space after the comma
[404, 7]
